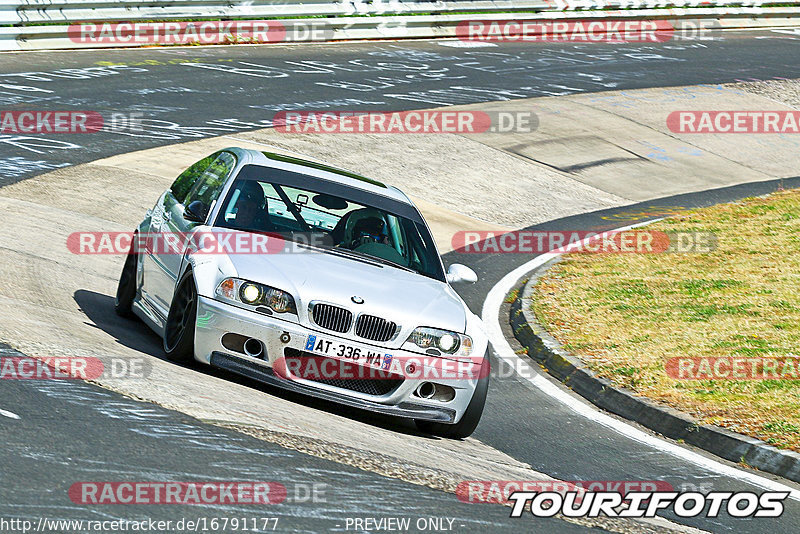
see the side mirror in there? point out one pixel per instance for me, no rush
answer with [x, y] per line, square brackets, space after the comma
[461, 273]
[195, 212]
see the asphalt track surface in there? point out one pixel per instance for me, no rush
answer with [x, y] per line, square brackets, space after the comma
[191, 92]
[70, 432]
[179, 101]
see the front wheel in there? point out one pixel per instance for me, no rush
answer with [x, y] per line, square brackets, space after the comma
[469, 421]
[179, 330]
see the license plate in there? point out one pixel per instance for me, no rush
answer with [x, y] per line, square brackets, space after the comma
[348, 352]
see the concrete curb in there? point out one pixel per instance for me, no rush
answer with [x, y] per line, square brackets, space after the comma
[570, 370]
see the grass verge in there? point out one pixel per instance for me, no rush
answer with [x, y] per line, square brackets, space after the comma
[626, 315]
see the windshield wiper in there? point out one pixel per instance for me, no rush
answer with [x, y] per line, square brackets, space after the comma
[360, 256]
[370, 257]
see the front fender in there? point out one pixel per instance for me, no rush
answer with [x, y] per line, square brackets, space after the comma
[475, 329]
[208, 270]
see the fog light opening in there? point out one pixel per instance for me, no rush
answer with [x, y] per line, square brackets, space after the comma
[437, 392]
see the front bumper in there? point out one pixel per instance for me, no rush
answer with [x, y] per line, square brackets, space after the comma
[215, 319]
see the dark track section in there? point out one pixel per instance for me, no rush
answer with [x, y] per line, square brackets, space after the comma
[71, 431]
[182, 94]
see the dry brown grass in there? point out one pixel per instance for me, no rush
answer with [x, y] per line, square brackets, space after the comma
[627, 314]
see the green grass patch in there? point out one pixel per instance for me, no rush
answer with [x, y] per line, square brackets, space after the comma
[626, 315]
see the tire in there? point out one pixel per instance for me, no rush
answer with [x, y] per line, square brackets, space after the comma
[469, 421]
[179, 329]
[126, 288]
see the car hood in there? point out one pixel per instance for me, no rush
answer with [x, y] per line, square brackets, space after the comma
[407, 298]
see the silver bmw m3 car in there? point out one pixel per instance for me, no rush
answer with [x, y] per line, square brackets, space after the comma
[311, 278]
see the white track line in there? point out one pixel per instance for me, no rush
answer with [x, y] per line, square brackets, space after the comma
[10, 415]
[491, 319]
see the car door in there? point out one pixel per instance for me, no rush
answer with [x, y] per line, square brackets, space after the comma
[161, 263]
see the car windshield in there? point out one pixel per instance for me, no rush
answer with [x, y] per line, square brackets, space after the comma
[342, 220]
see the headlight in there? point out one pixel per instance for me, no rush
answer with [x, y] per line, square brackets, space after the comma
[250, 293]
[254, 294]
[450, 343]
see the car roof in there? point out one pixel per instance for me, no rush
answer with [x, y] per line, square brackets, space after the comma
[318, 170]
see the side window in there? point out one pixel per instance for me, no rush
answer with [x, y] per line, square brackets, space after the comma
[188, 178]
[209, 184]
